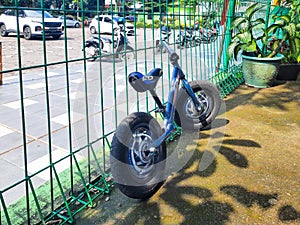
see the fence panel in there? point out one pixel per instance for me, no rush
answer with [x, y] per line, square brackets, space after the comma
[60, 105]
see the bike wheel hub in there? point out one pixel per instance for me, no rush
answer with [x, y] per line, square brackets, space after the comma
[141, 157]
[191, 110]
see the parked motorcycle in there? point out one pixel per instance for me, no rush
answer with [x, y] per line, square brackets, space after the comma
[187, 38]
[194, 36]
[95, 46]
[208, 34]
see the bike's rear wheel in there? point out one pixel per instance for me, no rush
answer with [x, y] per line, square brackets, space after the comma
[137, 171]
[188, 117]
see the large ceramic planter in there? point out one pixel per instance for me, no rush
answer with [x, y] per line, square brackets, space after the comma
[288, 72]
[260, 72]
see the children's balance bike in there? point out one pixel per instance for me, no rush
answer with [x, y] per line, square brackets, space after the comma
[138, 149]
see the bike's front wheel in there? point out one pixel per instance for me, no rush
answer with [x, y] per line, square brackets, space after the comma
[188, 117]
[138, 169]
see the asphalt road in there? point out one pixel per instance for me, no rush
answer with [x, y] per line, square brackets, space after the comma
[70, 48]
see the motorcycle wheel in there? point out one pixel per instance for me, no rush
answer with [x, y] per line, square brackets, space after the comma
[138, 172]
[3, 31]
[128, 55]
[91, 52]
[188, 117]
[193, 43]
[180, 41]
[197, 41]
[158, 47]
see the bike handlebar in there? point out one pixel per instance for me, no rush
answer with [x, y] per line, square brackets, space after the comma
[173, 56]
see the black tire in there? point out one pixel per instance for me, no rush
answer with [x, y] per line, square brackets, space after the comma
[56, 37]
[91, 52]
[3, 31]
[93, 30]
[193, 42]
[190, 119]
[197, 41]
[27, 33]
[135, 178]
[180, 41]
[129, 55]
[76, 25]
[157, 47]
[214, 38]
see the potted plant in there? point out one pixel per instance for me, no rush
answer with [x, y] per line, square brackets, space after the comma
[260, 64]
[287, 20]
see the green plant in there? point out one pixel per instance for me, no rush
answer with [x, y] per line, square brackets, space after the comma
[139, 24]
[251, 36]
[288, 25]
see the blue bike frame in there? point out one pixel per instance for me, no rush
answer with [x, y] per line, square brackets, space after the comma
[169, 111]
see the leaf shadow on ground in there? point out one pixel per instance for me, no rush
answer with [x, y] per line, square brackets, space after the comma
[175, 196]
[289, 92]
[249, 198]
[288, 213]
[192, 203]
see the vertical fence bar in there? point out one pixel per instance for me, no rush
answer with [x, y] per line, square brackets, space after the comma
[224, 24]
[23, 116]
[227, 40]
[4, 208]
[1, 82]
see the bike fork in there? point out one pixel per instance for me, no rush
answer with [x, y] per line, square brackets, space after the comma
[198, 105]
[168, 115]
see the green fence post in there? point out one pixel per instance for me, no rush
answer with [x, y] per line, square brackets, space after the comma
[227, 40]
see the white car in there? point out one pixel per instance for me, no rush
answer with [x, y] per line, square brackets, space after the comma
[30, 24]
[105, 23]
[70, 21]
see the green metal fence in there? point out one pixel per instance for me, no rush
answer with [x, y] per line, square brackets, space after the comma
[59, 110]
